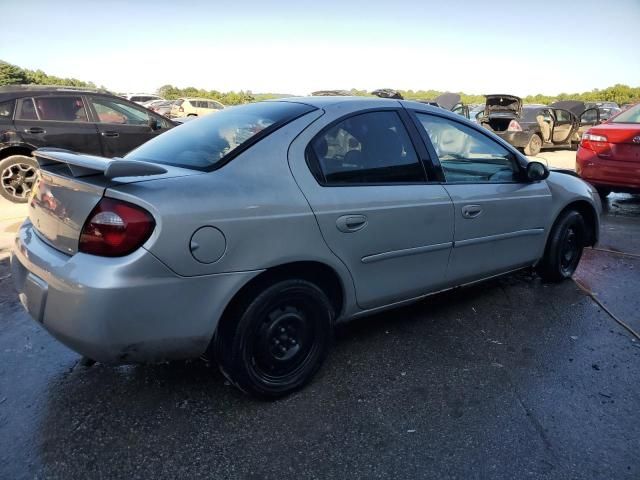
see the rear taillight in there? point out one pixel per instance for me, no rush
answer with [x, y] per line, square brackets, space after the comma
[596, 143]
[115, 228]
[514, 126]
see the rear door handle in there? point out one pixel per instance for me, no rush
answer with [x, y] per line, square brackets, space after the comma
[110, 134]
[35, 130]
[351, 223]
[471, 211]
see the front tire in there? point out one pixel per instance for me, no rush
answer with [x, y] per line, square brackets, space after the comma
[17, 177]
[564, 248]
[275, 343]
[534, 146]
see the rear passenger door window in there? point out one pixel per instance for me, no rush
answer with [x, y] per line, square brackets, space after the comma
[365, 149]
[60, 109]
[467, 155]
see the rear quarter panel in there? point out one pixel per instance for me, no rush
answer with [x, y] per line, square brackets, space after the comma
[254, 201]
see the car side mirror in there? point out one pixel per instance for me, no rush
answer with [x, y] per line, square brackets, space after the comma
[154, 124]
[537, 171]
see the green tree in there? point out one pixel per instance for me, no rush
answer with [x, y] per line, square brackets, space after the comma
[11, 74]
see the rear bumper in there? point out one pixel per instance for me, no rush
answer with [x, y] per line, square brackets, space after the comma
[623, 176]
[517, 139]
[123, 310]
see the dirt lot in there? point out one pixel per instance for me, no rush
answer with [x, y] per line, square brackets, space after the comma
[557, 158]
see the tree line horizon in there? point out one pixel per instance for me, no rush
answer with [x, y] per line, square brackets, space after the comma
[14, 75]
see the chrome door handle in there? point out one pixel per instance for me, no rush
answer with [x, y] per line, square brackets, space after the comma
[35, 130]
[471, 211]
[351, 223]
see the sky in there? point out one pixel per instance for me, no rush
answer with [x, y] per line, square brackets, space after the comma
[294, 46]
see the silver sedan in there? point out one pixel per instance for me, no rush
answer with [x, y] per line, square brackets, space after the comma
[248, 234]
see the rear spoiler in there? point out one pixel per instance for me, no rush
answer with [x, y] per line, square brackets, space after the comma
[88, 165]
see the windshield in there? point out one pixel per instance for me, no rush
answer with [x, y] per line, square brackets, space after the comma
[629, 116]
[203, 143]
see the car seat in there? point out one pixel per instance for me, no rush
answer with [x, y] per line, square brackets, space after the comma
[545, 128]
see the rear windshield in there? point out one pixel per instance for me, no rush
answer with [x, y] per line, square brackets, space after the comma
[203, 143]
[628, 116]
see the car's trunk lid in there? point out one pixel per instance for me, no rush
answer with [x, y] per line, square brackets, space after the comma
[509, 104]
[70, 185]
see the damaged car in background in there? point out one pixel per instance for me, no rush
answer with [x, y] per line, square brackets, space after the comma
[534, 127]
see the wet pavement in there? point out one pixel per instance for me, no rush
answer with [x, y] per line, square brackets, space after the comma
[508, 379]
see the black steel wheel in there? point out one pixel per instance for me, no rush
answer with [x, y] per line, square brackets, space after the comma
[277, 341]
[564, 247]
[17, 177]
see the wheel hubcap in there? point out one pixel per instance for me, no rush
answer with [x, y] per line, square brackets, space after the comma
[18, 179]
[283, 342]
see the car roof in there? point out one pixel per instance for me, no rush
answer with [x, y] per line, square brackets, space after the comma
[329, 100]
[364, 103]
[10, 92]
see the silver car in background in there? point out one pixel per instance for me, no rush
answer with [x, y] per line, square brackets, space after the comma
[248, 234]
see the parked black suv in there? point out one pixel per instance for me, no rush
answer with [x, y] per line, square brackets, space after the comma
[82, 120]
[533, 127]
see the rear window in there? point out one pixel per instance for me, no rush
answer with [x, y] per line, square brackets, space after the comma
[204, 143]
[629, 116]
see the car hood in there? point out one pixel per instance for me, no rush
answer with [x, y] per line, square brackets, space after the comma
[503, 103]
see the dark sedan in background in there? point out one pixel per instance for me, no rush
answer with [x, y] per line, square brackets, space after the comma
[83, 120]
[534, 127]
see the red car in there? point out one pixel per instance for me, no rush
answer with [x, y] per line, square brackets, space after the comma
[609, 154]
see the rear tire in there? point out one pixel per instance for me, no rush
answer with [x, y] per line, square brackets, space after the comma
[534, 146]
[18, 174]
[603, 192]
[564, 248]
[274, 344]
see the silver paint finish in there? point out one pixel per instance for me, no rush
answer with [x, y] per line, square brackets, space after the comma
[388, 245]
[124, 309]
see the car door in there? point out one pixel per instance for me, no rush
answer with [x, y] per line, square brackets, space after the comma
[589, 118]
[56, 121]
[461, 109]
[500, 218]
[122, 125]
[376, 209]
[565, 124]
